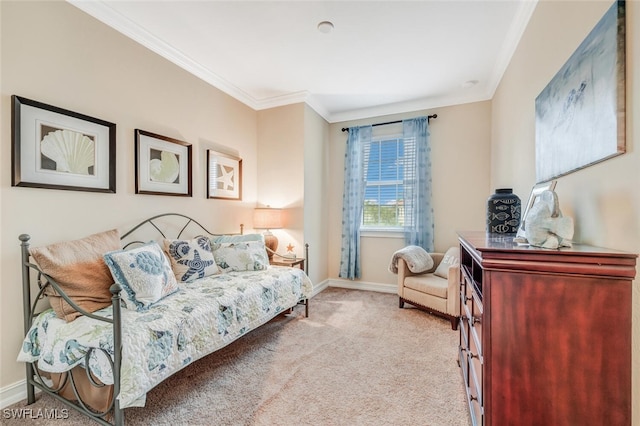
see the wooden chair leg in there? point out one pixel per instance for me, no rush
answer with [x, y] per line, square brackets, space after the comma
[454, 323]
[400, 302]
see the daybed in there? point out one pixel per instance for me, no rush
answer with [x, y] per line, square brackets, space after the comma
[119, 350]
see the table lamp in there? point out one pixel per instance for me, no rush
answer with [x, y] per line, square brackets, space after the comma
[268, 218]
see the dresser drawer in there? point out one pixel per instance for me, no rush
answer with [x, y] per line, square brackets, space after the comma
[472, 310]
[474, 390]
[476, 411]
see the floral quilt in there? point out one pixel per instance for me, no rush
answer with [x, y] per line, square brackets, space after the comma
[200, 318]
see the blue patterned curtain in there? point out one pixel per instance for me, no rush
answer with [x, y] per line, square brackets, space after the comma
[418, 211]
[352, 201]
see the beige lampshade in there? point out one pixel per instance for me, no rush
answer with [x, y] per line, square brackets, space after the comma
[267, 218]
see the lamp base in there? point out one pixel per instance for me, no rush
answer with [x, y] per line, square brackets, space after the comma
[271, 242]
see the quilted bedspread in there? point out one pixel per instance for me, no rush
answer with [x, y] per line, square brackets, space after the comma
[202, 317]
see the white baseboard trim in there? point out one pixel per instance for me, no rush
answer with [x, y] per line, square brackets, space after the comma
[317, 288]
[363, 285]
[18, 391]
[14, 393]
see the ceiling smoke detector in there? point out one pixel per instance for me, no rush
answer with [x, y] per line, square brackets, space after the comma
[325, 27]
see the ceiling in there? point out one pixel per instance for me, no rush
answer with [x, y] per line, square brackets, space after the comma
[382, 57]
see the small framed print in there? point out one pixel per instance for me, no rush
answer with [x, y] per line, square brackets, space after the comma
[224, 176]
[60, 149]
[163, 165]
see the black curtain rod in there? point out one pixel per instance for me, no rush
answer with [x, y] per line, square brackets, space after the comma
[429, 117]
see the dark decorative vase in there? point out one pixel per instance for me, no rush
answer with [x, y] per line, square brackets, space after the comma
[503, 212]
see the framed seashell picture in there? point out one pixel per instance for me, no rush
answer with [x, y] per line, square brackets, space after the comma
[163, 165]
[60, 149]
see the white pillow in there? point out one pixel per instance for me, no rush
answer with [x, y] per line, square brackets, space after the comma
[241, 256]
[451, 258]
[191, 259]
[144, 273]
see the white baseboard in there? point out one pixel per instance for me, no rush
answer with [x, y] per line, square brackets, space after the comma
[317, 288]
[363, 285]
[18, 391]
[14, 393]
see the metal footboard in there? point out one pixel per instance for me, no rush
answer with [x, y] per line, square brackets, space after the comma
[35, 379]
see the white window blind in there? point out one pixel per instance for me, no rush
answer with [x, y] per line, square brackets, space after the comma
[388, 167]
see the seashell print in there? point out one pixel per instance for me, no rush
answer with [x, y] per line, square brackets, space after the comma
[72, 152]
[166, 169]
[179, 249]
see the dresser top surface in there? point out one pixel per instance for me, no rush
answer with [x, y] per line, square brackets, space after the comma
[488, 244]
[499, 251]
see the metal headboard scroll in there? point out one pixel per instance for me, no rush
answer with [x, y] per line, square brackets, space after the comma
[153, 221]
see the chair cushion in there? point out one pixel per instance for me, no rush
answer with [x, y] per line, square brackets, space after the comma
[429, 284]
[451, 258]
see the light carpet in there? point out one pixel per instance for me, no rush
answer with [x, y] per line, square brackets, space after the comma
[357, 360]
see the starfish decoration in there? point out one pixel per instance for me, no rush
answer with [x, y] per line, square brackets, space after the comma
[290, 248]
[226, 178]
[196, 265]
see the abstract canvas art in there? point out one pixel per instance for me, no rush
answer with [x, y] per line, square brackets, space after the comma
[580, 115]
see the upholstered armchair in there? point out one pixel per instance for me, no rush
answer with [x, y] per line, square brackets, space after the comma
[435, 290]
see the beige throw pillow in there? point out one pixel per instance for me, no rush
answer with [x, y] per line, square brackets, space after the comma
[78, 267]
[451, 258]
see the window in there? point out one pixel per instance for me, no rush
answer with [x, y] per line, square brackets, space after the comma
[385, 164]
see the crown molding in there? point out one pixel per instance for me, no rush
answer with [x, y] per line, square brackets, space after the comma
[511, 41]
[406, 107]
[109, 16]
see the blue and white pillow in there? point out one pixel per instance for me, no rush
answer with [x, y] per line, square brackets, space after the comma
[191, 259]
[144, 273]
[241, 256]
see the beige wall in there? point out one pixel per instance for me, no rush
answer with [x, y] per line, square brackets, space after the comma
[292, 159]
[281, 170]
[604, 199]
[316, 189]
[460, 156]
[56, 54]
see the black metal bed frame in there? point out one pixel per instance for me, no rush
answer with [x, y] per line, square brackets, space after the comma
[34, 377]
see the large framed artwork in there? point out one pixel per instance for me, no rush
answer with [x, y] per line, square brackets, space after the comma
[163, 165]
[60, 149]
[580, 115]
[224, 176]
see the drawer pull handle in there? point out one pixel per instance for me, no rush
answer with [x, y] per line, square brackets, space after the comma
[473, 398]
[472, 355]
[476, 320]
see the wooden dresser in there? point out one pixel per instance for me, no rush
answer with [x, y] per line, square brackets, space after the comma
[545, 335]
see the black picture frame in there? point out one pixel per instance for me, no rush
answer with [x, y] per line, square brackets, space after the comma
[163, 165]
[43, 137]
